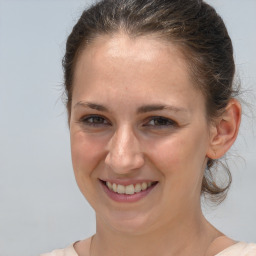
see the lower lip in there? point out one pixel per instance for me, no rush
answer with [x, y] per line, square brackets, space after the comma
[127, 198]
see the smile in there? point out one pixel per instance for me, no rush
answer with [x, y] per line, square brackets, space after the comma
[127, 193]
[130, 189]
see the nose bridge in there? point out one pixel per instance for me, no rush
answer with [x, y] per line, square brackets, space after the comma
[124, 153]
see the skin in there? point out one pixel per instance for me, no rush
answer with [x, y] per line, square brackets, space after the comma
[123, 75]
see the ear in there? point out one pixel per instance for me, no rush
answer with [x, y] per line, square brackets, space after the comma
[224, 131]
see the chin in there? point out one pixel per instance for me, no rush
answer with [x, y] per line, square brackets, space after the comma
[129, 222]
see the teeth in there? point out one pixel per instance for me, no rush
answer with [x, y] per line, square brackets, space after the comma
[114, 187]
[109, 185]
[130, 189]
[144, 185]
[137, 188]
[120, 189]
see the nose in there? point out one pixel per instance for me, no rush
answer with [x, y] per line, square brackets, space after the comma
[124, 153]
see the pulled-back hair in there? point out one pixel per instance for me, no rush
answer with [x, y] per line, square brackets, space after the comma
[193, 26]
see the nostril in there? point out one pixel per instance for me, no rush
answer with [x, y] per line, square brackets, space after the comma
[124, 163]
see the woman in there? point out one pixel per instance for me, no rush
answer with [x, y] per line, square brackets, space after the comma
[151, 108]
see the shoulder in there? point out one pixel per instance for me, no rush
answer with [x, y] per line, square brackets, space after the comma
[239, 249]
[225, 246]
[78, 248]
[68, 251]
[219, 244]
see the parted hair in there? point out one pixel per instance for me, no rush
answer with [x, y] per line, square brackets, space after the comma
[194, 27]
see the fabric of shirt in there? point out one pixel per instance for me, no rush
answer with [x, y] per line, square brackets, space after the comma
[238, 249]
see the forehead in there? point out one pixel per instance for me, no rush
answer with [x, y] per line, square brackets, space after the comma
[122, 47]
[140, 68]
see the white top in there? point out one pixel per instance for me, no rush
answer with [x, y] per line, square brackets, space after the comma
[238, 249]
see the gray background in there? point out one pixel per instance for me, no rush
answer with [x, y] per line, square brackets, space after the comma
[40, 206]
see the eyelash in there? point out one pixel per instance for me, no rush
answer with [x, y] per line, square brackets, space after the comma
[85, 120]
[163, 122]
[167, 122]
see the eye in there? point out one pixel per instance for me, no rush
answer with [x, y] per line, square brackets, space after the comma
[160, 122]
[95, 120]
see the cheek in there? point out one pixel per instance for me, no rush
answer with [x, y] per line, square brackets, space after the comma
[180, 160]
[181, 156]
[86, 153]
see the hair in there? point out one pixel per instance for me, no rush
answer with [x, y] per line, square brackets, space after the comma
[193, 26]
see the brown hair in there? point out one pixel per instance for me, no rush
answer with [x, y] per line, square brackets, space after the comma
[193, 26]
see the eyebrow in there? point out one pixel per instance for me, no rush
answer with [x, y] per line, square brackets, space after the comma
[140, 110]
[156, 107]
[92, 106]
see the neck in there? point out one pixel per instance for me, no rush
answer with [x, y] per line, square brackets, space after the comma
[187, 236]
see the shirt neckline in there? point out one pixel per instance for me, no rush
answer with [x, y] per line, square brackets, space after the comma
[230, 248]
[74, 253]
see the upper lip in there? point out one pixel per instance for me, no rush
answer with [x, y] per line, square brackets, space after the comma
[126, 182]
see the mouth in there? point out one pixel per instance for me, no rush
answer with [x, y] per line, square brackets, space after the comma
[129, 189]
[130, 192]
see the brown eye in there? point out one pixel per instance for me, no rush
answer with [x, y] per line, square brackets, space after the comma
[160, 122]
[94, 120]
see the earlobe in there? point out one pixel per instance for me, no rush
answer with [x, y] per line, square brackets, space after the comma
[225, 130]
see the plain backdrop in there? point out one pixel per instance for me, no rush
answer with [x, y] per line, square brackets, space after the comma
[41, 207]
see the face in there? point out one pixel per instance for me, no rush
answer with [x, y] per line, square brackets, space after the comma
[137, 127]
